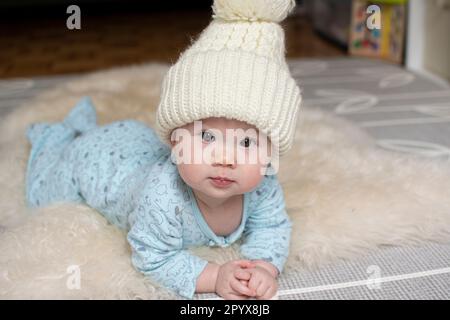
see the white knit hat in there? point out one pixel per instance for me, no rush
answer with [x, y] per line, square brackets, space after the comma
[237, 70]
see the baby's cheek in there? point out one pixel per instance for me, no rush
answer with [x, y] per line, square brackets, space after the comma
[251, 177]
[187, 173]
[190, 173]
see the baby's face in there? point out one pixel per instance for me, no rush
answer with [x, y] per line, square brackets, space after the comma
[221, 148]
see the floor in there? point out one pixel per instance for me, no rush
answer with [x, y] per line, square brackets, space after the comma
[33, 46]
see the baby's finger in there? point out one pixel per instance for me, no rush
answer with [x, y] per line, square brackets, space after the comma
[244, 263]
[262, 289]
[242, 274]
[254, 282]
[244, 282]
[269, 294]
[240, 288]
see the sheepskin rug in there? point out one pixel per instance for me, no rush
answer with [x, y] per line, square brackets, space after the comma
[344, 195]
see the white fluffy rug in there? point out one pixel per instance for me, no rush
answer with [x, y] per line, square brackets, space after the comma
[343, 194]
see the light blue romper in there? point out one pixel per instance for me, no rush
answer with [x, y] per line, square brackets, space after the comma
[125, 172]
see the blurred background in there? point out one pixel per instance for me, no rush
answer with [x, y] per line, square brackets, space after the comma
[35, 41]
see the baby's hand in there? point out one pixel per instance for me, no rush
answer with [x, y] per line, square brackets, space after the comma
[230, 287]
[259, 280]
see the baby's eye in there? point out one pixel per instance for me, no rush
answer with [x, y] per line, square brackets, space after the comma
[247, 142]
[207, 136]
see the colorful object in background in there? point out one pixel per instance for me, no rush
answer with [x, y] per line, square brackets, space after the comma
[386, 42]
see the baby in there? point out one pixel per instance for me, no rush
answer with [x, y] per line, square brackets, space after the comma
[205, 175]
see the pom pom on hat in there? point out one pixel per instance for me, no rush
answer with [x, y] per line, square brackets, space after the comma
[252, 10]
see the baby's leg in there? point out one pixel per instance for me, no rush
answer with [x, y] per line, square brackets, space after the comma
[49, 175]
[111, 164]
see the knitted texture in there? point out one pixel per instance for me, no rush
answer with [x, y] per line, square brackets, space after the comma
[237, 70]
[253, 10]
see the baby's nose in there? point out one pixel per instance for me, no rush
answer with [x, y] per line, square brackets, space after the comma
[224, 157]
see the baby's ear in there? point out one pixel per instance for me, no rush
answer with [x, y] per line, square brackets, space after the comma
[173, 141]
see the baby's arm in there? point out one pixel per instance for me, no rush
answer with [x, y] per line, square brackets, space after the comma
[268, 228]
[156, 241]
[206, 282]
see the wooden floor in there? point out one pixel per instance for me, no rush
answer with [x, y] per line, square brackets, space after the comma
[33, 47]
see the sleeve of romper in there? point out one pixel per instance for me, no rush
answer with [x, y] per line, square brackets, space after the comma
[156, 241]
[268, 228]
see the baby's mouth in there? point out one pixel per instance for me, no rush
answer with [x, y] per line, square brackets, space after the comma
[221, 181]
[222, 178]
